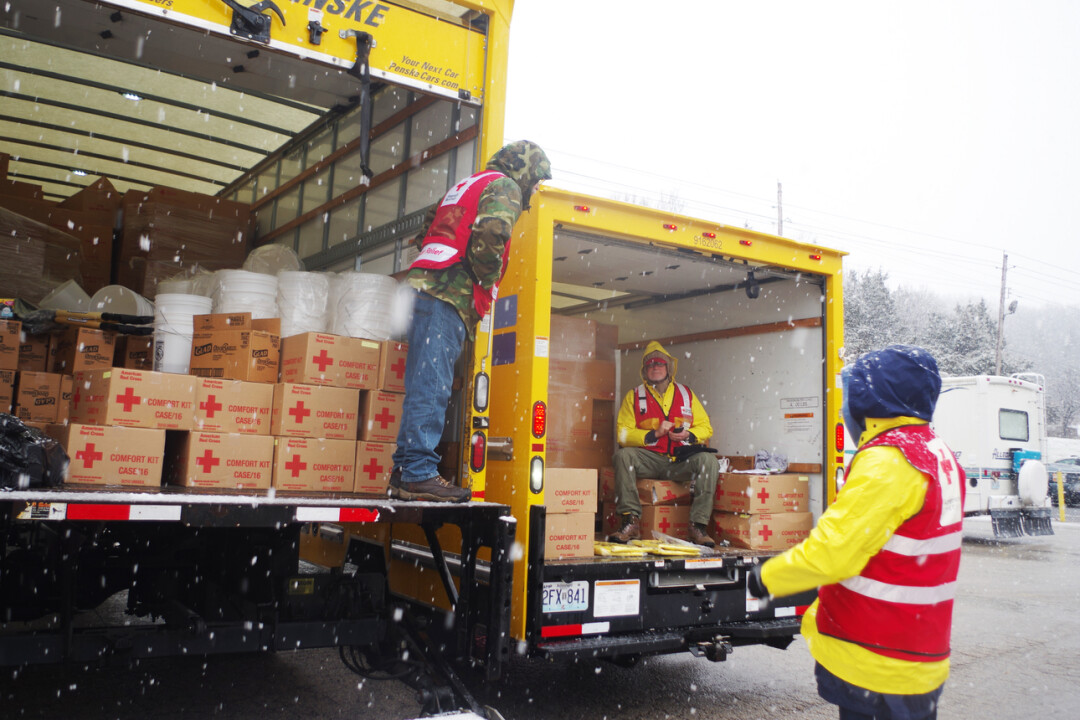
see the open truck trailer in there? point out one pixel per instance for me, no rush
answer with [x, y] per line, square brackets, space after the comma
[340, 123]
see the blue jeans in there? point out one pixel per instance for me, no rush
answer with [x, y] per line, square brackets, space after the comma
[859, 704]
[436, 336]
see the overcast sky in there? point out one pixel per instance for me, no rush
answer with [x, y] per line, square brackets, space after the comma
[925, 138]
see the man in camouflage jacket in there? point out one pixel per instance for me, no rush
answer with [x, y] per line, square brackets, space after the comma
[465, 242]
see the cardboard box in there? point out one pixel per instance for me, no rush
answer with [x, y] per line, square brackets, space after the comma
[134, 352]
[67, 391]
[392, 365]
[606, 484]
[10, 341]
[221, 460]
[671, 520]
[315, 411]
[762, 493]
[34, 353]
[314, 464]
[591, 457]
[7, 390]
[79, 349]
[569, 535]
[763, 531]
[103, 455]
[232, 406]
[580, 339]
[570, 490]
[663, 492]
[593, 380]
[133, 398]
[577, 423]
[235, 347]
[334, 360]
[374, 462]
[37, 396]
[380, 415]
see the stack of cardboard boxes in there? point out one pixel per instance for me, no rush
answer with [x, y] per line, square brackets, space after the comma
[665, 506]
[762, 511]
[570, 499]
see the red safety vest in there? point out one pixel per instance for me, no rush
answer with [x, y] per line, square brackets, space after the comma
[648, 409]
[448, 237]
[901, 604]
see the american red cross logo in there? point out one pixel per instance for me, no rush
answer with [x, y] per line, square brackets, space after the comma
[128, 398]
[384, 418]
[765, 533]
[373, 468]
[664, 525]
[322, 360]
[88, 455]
[296, 465]
[399, 368]
[763, 495]
[299, 412]
[208, 461]
[210, 405]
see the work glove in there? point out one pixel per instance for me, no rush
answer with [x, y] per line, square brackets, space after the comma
[754, 585]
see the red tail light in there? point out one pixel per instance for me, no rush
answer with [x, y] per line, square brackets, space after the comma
[478, 452]
[839, 437]
[539, 419]
[582, 208]
[710, 235]
[670, 226]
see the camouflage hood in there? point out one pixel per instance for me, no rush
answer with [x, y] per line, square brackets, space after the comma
[524, 163]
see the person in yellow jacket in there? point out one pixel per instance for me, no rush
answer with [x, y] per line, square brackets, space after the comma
[662, 430]
[885, 555]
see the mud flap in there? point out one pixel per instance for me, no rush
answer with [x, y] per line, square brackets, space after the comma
[1036, 521]
[1006, 523]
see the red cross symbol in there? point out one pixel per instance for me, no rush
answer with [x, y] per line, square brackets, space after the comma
[210, 405]
[398, 367]
[88, 455]
[76, 397]
[322, 360]
[765, 533]
[128, 398]
[664, 524]
[384, 418]
[296, 465]
[373, 468]
[299, 412]
[208, 461]
[763, 496]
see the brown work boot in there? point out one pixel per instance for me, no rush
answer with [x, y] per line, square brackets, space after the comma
[631, 530]
[434, 489]
[699, 535]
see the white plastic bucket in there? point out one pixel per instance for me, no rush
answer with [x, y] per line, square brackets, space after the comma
[302, 300]
[173, 330]
[119, 299]
[363, 306]
[242, 291]
[175, 287]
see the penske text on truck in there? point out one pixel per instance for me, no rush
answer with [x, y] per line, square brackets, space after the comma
[328, 129]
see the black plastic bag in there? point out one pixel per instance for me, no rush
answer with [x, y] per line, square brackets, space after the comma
[28, 458]
[685, 452]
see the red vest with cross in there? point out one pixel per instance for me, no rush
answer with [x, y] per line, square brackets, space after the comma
[649, 414]
[900, 605]
[455, 217]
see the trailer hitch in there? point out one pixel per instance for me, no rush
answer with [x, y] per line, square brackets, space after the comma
[250, 23]
[716, 649]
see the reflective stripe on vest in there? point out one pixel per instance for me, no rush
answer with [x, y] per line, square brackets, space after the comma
[911, 582]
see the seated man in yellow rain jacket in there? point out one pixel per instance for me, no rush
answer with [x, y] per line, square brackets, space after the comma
[660, 426]
[885, 555]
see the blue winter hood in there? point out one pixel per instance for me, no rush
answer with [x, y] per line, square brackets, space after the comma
[901, 380]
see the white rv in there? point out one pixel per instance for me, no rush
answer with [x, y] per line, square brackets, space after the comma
[997, 428]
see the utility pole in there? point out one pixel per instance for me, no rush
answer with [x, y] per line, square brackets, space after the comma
[779, 208]
[1001, 315]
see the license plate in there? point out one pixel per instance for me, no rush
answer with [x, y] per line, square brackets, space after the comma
[566, 597]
